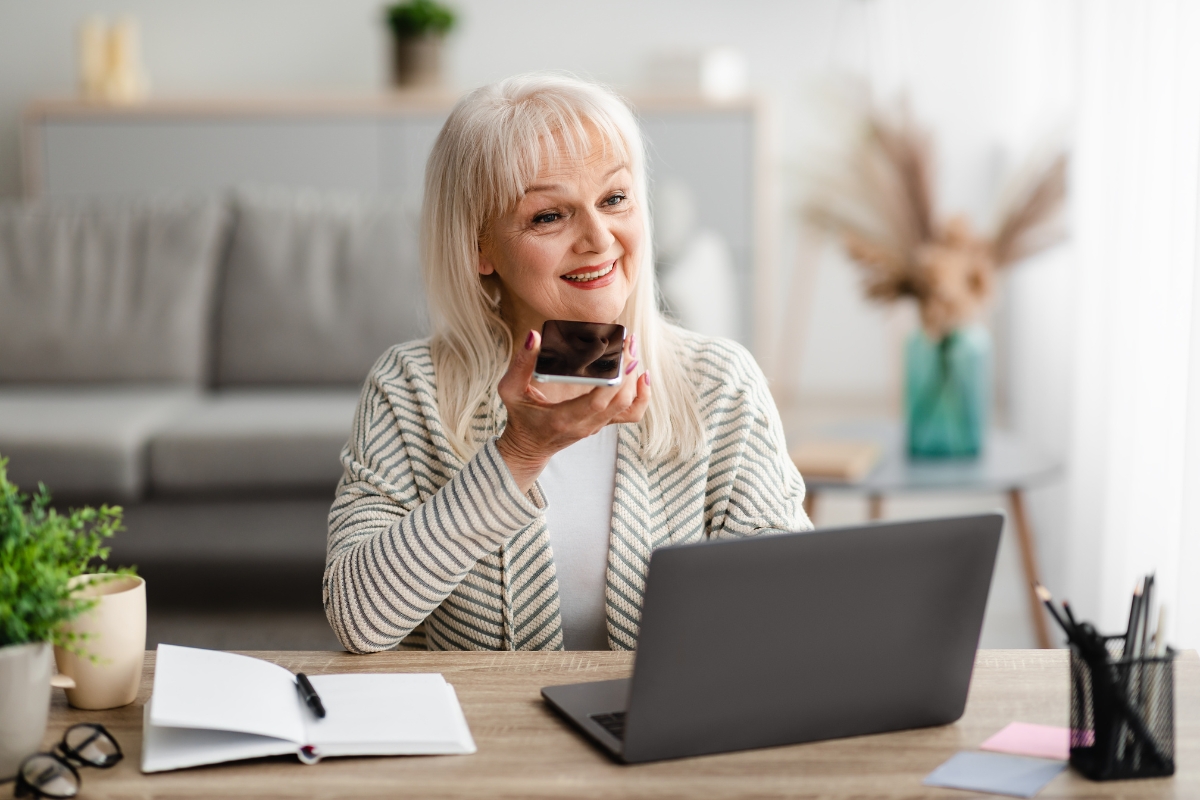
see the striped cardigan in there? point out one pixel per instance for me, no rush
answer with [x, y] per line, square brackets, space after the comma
[416, 535]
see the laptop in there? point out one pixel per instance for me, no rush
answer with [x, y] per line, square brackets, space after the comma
[796, 637]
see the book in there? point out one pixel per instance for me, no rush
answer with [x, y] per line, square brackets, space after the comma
[840, 460]
[208, 707]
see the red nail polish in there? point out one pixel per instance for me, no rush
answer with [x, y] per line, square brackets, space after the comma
[632, 366]
[529, 341]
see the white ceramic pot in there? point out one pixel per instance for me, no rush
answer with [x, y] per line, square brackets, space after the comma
[114, 632]
[25, 671]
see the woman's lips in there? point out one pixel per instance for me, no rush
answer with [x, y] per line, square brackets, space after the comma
[592, 277]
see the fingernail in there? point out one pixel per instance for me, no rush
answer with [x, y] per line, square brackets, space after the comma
[632, 366]
[647, 375]
[529, 341]
[633, 345]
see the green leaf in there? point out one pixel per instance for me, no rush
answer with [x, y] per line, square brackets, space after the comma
[420, 18]
[40, 552]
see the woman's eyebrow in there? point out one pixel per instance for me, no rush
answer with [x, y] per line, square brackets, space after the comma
[550, 187]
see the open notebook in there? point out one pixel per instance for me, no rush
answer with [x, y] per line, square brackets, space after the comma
[208, 707]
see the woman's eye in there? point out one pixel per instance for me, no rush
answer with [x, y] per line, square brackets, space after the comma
[613, 200]
[549, 216]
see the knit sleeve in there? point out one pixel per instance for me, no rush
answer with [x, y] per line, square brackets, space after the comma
[391, 558]
[765, 492]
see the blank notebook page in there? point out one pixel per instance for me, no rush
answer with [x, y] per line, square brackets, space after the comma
[196, 688]
[387, 713]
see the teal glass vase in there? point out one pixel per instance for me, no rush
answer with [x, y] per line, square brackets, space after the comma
[947, 387]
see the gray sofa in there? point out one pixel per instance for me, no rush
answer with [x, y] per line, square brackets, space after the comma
[198, 360]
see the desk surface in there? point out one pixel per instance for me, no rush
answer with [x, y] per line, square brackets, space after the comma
[527, 751]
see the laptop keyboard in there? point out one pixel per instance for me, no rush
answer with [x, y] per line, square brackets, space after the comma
[614, 723]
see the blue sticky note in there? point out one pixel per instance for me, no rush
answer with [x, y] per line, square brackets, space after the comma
[1018, 776]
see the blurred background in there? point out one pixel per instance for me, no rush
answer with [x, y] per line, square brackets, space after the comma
[208, 235]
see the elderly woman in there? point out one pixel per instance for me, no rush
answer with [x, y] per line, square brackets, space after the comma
[481, 511]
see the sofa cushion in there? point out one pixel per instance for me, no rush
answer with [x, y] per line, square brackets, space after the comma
[84, 441]
[108, 289]
[255, 439]
[316, 287]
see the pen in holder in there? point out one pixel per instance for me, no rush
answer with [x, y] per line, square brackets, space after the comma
[1122, 713]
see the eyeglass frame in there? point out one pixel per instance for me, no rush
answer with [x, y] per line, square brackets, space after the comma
[65, 754]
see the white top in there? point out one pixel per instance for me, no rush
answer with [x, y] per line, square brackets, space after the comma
[578, 484]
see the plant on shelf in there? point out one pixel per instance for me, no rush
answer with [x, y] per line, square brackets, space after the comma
[879, 202]
[420, 18]
[419, 28]
[41, 551]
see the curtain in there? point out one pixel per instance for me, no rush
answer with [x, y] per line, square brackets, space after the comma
[1133, 483]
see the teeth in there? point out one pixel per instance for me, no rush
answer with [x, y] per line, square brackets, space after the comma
[591, 276]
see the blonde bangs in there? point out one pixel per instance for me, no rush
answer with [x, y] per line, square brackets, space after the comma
[510, 151]
[490, 149]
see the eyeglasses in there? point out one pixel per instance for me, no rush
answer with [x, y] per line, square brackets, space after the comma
[53, 774]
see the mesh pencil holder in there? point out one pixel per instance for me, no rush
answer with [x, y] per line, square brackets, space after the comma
[1122, 714]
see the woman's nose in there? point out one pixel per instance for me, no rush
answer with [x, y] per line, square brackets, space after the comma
[594, 234]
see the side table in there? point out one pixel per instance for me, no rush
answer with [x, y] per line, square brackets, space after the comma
[1006, 466]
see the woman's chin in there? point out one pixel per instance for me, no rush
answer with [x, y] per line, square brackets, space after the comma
[603, 304]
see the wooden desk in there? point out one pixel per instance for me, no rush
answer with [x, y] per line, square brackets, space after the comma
[527, 751]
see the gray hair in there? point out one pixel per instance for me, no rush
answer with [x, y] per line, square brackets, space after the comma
[488, 151]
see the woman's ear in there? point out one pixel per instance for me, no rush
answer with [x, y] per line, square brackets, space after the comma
[485, 264]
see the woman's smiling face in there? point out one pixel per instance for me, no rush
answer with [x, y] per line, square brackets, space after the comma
[572, 246]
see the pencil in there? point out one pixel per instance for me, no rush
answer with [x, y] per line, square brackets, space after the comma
[1071, 617]
[1160, 632]
[1127, 645]
[1048, 600]
[1147, 606]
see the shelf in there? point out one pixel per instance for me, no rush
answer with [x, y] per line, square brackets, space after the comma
[397, 102]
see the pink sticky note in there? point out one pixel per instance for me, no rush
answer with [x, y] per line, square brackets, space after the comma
[1025, 739]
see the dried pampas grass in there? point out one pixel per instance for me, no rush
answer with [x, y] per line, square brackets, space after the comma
[880, 204]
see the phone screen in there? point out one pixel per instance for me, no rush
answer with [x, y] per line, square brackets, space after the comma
[586, 352]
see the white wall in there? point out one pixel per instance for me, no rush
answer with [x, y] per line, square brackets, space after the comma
[217, 46]
[968, 66]
[222, 46]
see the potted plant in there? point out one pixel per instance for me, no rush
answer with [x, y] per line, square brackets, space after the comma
[41, 551]
[419, 28]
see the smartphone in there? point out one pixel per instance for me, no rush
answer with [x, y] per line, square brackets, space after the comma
[580, 352]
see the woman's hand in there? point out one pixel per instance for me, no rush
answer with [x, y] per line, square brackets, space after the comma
[537, 428]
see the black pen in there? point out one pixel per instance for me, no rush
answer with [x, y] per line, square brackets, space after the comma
[309, 694]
